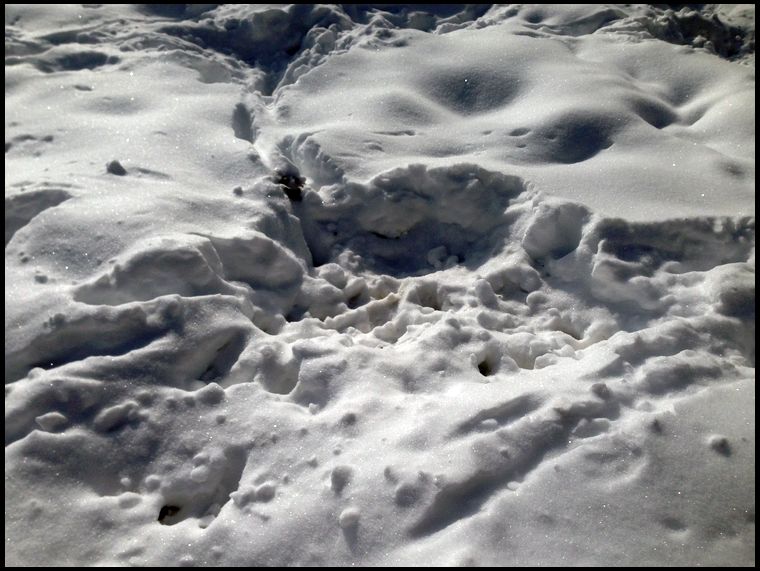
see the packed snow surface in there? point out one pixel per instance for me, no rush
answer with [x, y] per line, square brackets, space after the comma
[394, 285]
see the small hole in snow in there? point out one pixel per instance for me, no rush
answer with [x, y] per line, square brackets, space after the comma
[166, 513]
[485, 369]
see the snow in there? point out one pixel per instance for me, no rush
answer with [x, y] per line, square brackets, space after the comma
[393, 285]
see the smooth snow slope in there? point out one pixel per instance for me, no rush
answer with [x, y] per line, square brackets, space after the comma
[394, 285]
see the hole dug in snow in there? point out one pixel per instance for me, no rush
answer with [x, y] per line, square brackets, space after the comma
[412, 221]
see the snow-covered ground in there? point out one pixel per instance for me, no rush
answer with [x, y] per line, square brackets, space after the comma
[403, 285]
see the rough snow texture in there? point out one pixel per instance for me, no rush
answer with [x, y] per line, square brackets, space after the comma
[295, 285]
